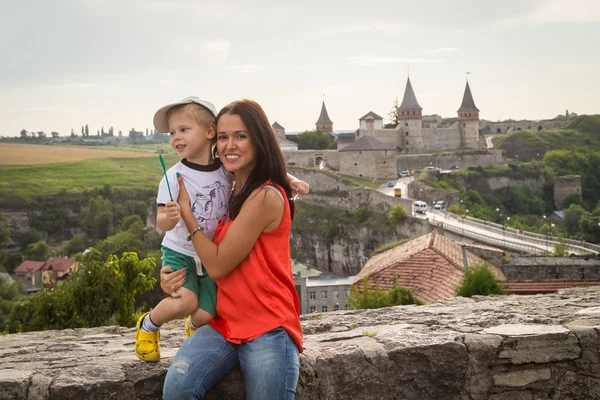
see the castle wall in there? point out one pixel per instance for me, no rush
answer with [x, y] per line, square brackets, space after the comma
[388, 136]
[446, 160]
[564, 186]
[469, 134]
[369, 164]
[507, 127]
[441, 138]
[308, 158]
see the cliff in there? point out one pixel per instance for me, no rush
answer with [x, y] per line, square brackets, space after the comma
[487, 348]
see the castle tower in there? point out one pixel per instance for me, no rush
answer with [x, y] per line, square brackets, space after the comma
[411, 120]
[324, 123]
[468, 119]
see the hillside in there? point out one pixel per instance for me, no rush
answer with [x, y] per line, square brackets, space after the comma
[21, 184]
[582, 132]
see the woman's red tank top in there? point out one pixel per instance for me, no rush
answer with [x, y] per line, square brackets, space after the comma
[259, 295]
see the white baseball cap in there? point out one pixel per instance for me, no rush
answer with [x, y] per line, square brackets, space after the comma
[161, 122]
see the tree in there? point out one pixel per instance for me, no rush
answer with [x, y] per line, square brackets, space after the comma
[393, 115]
[98, 218]
[37, 251]
[94, 294]
[87, 130]
[23, 133]
[82, 131]
[479, 280]
[314, 140]
[41, 135]
[573, 215]
[28, 237]
[376, 297]
[396, 214]
[55, 134]
[76, 245]
[5, 239]
[9, 292]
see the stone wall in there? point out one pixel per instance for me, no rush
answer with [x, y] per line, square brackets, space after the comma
[486, 348]
[551, 268]
[307, 158]
[564, 186]
[379, 165]
[507, 127]
[446, 160]
[437, 138]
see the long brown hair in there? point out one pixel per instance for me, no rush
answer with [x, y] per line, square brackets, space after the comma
[269, 163]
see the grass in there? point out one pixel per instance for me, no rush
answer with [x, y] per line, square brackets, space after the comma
[363, 182]
[35, 180]
[370, 333]
[36, 154]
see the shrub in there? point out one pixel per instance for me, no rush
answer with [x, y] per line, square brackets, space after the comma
[376, 297]
[479, 280]
[396, 214]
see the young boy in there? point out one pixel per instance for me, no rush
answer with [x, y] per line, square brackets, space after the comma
[191, 125]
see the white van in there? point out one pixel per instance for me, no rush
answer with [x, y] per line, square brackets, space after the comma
[440, 205]
[420, 207]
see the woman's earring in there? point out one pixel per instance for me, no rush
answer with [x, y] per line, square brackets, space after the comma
[213, 149]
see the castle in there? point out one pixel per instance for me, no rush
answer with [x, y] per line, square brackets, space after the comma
[416, 132]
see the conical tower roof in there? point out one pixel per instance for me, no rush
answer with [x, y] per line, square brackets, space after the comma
[324, 118]
[409, 101]
[467, 103]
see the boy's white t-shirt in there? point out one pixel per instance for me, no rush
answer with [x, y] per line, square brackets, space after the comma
[209, 187]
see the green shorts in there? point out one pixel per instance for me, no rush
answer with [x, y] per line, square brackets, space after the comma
[203, 286]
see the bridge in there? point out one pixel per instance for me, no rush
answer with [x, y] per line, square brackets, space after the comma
[505, 237]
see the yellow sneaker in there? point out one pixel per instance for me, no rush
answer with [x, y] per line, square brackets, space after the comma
[188, 331]
[147, 344]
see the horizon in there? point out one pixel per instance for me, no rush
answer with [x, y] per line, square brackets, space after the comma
[109, 63]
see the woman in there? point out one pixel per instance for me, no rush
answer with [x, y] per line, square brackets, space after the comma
[257, 323]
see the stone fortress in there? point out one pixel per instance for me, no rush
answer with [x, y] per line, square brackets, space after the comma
[416, 132]
[376, 152]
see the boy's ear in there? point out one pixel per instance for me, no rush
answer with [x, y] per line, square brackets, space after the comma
[211, 131]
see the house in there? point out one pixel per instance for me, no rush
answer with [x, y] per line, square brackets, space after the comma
[30, 273]
[431, 265]
[327, 294]
[56, 268]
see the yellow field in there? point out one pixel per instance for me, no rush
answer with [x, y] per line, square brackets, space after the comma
[35, 154]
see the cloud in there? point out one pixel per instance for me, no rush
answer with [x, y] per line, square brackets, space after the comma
[556, 11]
[375, 27]
[371, 60]
[245, 69]
[441, 50]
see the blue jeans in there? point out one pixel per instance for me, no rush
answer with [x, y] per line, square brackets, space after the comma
[270, 365]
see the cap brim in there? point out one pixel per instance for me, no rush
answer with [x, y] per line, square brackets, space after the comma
[161, 122]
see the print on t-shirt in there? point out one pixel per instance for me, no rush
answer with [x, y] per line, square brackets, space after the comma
[210, 204]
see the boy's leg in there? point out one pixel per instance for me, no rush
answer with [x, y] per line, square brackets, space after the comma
[201, 361]
[147, 337]
[207, 304]
[271, 366]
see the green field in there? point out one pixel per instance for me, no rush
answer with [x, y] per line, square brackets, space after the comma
[27, 182]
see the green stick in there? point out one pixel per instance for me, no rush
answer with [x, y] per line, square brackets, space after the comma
[162, 162]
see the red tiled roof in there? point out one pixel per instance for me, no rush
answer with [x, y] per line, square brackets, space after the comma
[430, 264]
[58, 264]
[535, 287]
[29, 266]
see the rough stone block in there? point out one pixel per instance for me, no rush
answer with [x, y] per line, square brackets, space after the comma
[14, 384]
[536, 343]
[522, 378]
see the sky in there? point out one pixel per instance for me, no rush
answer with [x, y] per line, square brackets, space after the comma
[67, 63]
